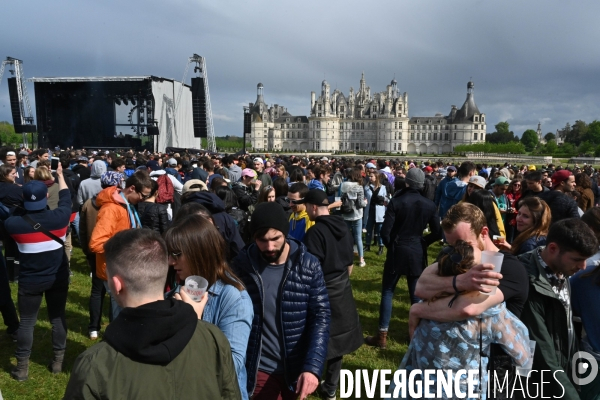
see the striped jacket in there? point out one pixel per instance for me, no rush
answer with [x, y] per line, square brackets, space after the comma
[42, 258]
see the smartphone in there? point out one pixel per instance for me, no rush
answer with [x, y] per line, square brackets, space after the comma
[54, 163]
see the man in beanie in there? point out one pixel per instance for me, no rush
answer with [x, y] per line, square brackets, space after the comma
[290, 329]
[406, 217]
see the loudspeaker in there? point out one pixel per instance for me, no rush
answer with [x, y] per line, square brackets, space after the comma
[199, 108]
[15, 108]
[247, 122]
[153, 131]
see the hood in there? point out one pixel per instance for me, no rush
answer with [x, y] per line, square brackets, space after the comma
[208, 200]
[456, 189]
[351, 187]
[98, 168]
[283, 202]
[335, 224]
[109, 195]
[315, 184]
[154, 333]
[158, 172]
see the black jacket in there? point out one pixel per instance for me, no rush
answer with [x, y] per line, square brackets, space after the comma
[429, 187]
[331, 242]
[305, 313]
[561, 205]
[406, 217]
[223, 221]
[246, 196]
[82, 171]
[154, 216]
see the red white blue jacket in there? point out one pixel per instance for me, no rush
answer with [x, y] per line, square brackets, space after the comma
[42, 258]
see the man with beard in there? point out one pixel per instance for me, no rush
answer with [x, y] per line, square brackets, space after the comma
[290, 329]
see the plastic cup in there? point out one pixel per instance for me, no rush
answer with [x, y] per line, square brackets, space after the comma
[498, 239]
[495, 258]
[526, 369]
[195, 286]
[338, 199]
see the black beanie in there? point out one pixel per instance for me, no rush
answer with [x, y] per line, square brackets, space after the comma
[269, 215]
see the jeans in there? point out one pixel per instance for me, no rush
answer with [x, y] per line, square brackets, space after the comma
[96, 297]
[377, 226]
[116, 309]
[332, 375]
[75, 225]
[29, 301]
[272, 387]
[356, 230]
[388, 285]
[7, 306]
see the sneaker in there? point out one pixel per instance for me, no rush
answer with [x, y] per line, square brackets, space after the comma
[362, 263]
[93, 335]
[324, 394]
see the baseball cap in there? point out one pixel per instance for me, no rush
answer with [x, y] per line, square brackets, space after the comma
[370, 165]
[324, 159]
[258, 159]
[451, 168]
[500, 181]
[560, 176]
[531, 167]
[35, 195]
[315, 196]
[478, 180]
[197, 184]
[172, 162]
[153, 165]
[248, 172]
[428, 169]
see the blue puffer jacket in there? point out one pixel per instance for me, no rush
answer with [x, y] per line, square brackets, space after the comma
[305, 313]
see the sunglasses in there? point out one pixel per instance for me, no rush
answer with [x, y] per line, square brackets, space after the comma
[300, 201]
[449, 251]
[268, 188]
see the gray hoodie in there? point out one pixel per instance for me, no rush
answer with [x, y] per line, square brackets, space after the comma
[91, 187]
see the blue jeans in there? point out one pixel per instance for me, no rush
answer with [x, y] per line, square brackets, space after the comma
[388, 285]
[374, 225]
[356, 230]
[116, 309]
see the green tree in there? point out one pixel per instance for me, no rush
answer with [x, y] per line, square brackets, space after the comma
[585, 148]
[551, 147]
[593, 132]
[502, 127]
[8, 135]
[549, 136]
[577, 133]
[529, 139]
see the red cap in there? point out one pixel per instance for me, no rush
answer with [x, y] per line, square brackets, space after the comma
[428, 169]
[560, 176]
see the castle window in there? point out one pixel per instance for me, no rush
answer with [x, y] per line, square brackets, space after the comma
[394, 146]
[475, 136]
[476, 119]
[418, 136]
[411, 127]
[319, 124]
[482, 119]
[342, 109]
[304, 135]
[319, 108]
[435, 127]
[362, 125]
[412, 136]
[455, 126]
[476, 126]
[445, 136]
[288, 135]
[434, 135]
[454, 135]
[294, 126]
[399, 146]
[353, 125]
[429, 136]
[319, 115]
[282, 126]
[400, 138]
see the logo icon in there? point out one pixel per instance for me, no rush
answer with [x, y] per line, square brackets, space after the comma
[33, 197]
[581, 363]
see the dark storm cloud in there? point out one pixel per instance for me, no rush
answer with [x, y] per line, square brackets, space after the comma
[531, 62]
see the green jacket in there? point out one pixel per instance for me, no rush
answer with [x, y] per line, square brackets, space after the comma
[548, 324]
[203, 370]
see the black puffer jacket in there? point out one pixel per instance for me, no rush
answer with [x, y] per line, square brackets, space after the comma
[154, 216]
[305, 313]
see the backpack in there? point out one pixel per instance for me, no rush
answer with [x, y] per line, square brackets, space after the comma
[347, 206]
[165, 189]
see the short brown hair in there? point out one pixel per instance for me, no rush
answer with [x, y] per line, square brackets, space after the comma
[464, 212]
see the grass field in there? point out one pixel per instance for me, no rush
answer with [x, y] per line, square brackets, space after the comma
[366, 283]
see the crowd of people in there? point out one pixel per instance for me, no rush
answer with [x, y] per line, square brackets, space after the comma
[277, 238]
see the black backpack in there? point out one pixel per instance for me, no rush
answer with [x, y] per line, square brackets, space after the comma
[347, 206]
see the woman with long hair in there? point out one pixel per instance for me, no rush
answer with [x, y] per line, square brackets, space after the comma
[456, 345]
[484, 200]
[43, 173]
[583, 183]
[533, 224]
[266, 194]
[513, 194]
[281, 173]
[377, 193]
[585, 291]
[197, 248]
[354, 191]
[28, 174]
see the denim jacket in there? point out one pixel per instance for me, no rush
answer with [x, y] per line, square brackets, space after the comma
[232, 312]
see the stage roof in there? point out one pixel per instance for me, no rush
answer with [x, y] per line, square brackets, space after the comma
[100, 79]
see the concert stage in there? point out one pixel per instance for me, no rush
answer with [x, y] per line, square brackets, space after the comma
[89, 112]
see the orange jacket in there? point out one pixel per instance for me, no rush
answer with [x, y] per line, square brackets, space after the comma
[112, 218]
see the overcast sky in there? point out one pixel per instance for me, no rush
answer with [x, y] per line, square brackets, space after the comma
[531, 61]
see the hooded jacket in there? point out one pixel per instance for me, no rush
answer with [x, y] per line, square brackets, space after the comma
[452, 194]
[331, 242]
[548, 323]
[113, 217]
[246, 195]
[83, 171]
[178, 186]
[299, 224]
[91, 187]
[223, 221]
[304, 313]
[134, 361]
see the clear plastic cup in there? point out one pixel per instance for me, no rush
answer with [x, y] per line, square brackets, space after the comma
[338, 199]
[495, 258]
[526, 369]
[195, 287]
